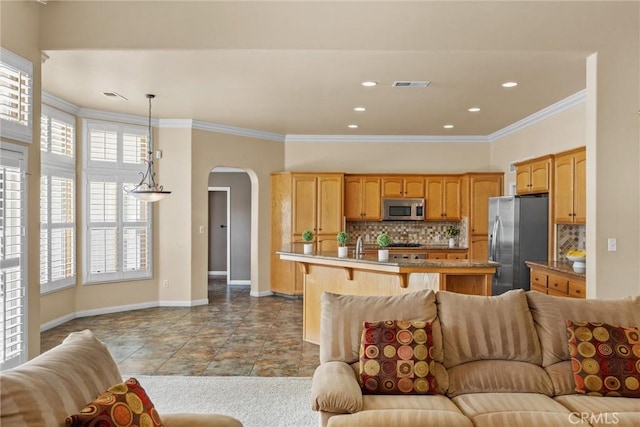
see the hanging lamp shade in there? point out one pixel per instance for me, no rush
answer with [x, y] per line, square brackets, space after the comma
[148, 189]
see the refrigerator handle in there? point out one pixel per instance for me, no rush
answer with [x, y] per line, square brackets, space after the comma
[496, 230]
[492, 240]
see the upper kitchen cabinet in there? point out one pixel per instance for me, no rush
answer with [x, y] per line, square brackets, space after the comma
[403, 187]
[533, 176]
[317, 203]
[481, 187]
[443, 198]
[362, 198]
[570, 195]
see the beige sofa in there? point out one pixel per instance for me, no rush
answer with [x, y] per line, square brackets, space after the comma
[61, 381]
[500, 361]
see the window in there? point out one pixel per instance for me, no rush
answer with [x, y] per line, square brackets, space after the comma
[13, 350]
[15, 96]
[57, 200]
[118, 236]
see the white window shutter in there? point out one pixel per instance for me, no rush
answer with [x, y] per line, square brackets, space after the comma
[15, 96]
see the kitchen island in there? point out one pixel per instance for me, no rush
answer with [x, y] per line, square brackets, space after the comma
[365, 275]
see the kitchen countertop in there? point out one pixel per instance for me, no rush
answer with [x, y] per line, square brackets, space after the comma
[372, 259]
[428, 247]
[565, 267]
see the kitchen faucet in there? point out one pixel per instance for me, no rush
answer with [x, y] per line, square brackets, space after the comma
[359, 247]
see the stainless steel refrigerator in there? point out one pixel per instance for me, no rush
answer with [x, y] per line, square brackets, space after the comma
[518, 232]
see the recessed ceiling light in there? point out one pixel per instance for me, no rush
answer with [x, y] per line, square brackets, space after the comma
[474, 109]
[369, 83]
[510, 84]
[115, 96]
[448, 126]
[353, 126]
[359, 109]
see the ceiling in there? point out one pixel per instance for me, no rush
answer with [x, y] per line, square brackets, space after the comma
[312, 91]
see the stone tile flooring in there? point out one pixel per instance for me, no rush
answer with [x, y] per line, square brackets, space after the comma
[234, 335]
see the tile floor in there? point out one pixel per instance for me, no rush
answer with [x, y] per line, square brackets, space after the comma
[234, 335]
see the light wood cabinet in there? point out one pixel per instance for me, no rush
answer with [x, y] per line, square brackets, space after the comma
[534, 176]
[410, 187]
[447, 255]
[570, 187]
[443, 198]
[481, 187]
[556, 283]
[299, 202]
[362, 201]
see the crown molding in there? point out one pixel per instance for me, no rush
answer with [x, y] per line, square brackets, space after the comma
[59, 103]
[547, 112]
[175, 123]
[385, 139]
[232, 130]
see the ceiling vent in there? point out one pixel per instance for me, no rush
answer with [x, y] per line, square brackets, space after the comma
[408, 83]
[115, 96]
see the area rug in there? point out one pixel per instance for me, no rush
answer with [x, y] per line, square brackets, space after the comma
[255, 401]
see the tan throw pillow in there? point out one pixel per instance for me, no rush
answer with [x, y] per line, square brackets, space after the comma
[605, 359]
[395, 358]
[124, 404]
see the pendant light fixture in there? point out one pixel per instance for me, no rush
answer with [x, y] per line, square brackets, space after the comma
[148, 189]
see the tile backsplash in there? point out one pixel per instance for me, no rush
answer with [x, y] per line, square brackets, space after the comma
[422, 232]
[570, 237]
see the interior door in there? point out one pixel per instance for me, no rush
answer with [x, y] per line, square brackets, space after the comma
[218, 229]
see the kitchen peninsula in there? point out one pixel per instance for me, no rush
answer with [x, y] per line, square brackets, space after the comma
[365, 275]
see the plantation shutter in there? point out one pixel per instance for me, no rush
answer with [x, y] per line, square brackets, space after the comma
[15, 96]
[57, 200]
[12, 260]
[119, 235]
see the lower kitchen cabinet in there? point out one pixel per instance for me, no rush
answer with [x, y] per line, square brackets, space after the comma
[447, 255]
[556, 278]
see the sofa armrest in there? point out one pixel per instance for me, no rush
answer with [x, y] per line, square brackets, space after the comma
[199, 420]
[335, 389]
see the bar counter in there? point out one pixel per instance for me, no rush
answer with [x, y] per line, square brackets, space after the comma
[365, 275]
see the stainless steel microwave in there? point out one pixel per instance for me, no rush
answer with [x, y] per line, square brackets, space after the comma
[403, 209]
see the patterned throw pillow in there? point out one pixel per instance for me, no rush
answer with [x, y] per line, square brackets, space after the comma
[124, 404]
[395, 358]
[605, 359]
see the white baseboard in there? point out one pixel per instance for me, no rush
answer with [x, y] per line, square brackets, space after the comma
[120, 308]
[193, 303]
[95, 312]
[217, 273]
[57, 322]
[261, 294]
[239, 282]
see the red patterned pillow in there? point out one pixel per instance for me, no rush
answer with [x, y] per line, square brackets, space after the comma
[124, 404]
[605, 359]
[395, 358]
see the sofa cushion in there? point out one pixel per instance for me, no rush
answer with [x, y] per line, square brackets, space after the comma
[512, 409]
[487, 328]
[401, 418]
[605, 359]
[123, 404]
[498, 376]
[342, 317]
[602, 411]
[59, 382]
[395, 359]
[550, 314]
[561, 378]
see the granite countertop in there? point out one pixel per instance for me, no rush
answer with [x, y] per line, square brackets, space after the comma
[413, 263]
[427, 247]
[565, 267]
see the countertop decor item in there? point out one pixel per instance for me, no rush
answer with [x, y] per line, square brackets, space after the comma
[307, 236]
[579, 259]
[383, 240]
[342, 238]
[452, 232]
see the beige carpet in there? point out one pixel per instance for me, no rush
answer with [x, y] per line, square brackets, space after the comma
[255, 401]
